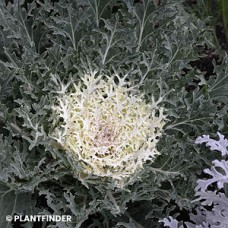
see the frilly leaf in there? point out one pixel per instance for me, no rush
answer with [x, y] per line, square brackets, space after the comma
[220, 145]
[218, 176]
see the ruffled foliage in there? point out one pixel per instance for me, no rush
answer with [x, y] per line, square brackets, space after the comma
[107, 127]
[212, 210]
[49, 46]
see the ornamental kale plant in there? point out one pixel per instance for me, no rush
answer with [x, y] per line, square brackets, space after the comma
[107, 128]
[100, 105]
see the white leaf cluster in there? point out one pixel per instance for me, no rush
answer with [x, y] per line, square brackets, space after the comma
[108, 127]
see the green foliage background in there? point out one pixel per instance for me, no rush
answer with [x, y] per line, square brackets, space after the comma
[46, 45]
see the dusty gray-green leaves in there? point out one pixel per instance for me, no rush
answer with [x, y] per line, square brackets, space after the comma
[46, 47]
